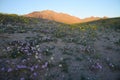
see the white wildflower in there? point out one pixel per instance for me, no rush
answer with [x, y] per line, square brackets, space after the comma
[60, 65]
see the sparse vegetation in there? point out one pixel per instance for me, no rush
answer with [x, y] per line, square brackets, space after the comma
[33, 49]
[117, 42]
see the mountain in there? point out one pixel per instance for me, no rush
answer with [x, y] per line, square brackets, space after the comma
[92, 18]
[59, 17]
[51, 15]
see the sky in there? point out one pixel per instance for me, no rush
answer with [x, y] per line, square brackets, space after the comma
[78, 8]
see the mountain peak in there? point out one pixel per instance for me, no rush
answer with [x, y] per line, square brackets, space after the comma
[47, 11]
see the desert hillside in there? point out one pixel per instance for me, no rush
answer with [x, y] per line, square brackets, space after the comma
[41, 49]
[60, 17]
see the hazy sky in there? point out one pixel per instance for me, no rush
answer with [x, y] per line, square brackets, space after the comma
[79, 8]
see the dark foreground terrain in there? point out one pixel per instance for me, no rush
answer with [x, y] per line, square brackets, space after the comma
[38, 49]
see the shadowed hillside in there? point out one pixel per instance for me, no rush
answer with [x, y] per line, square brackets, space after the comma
[41, 49]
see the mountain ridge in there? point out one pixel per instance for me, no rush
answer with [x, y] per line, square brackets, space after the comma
[60, 17]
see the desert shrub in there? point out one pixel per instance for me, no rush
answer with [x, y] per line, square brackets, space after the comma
[13, 18]
[15, 53]
[9, 29]
[117, 42]
[64, 66]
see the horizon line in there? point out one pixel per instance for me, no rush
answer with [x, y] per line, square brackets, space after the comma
[62, 13]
